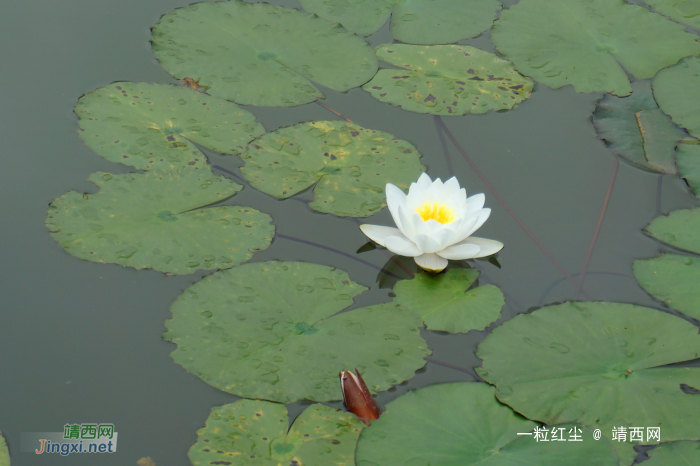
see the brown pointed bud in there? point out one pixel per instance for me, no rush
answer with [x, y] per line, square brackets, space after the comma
[357, 397]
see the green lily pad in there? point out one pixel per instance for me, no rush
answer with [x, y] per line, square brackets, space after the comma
[637, 130]
[154, 220]
[677, 90]
[349, 164]
[683, 11]
[260, 54]
[446, 303]
[674, 453]
[447, 80]
[688, 161]
[4, 452]
[254, 433]
[412, 21]
[596, 364]
[462, 424]
[155, 125]
[591, 44]
[268, 331]
[680, 229]
[673, 280]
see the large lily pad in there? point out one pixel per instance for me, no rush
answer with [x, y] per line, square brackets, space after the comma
[349, 164]
[677, 90]
[154, 220]
[155, 125]
[597, 364]
[590, 44]
[680, 229]
[675, 453]
[265, 331]
[675, 280]
[260, 54]
[688, 161]
[254, 433]
[636, 129]
[683, 11]
[413, 21]
[447, 80]
[446, 302]
[462, 424]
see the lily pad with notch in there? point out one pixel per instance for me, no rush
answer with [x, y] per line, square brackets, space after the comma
[637, 130]
[255, 433]
[447, 302]
[677, 90]
[348, 164]
[447, 80]
[156, 126]
[591, 44]
[683, 11]
[688, 161]
[597, 363]
[675, 453]
[673, 280]
[156, 220]
[261, 54]
[680, 229]
[270, 331]
[462, 424]
[412, 21]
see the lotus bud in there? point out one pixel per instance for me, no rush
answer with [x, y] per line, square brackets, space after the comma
[357, 397]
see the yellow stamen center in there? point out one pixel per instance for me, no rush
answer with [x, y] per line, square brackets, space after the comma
[437, 211]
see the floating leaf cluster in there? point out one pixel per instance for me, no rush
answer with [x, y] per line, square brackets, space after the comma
[280, 331]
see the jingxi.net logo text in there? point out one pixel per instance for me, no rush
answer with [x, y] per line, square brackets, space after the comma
[75, 438]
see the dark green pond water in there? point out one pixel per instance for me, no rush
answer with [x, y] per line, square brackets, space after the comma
[82, 342]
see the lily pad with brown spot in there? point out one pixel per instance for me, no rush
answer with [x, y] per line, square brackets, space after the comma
[257, 433]
[157, 220]
[348, 164]
[156, 126]
[447, 80]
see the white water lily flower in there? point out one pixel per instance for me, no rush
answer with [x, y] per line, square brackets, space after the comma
[435, 221]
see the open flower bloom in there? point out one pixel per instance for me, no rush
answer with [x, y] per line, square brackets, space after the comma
[435, 221]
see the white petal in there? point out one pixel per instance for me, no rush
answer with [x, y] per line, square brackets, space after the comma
[453, 185]
[402, 246]
[475, 202]
[394, 198]
[467, 226]
[428, 244]
[423, 182]
[407, 226]
[460, 251]
[482, 216]
[488, 246]
[379, 234]
[431, 262]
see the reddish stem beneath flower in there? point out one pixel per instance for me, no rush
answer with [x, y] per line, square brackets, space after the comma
[503, 203]
[597, 229]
